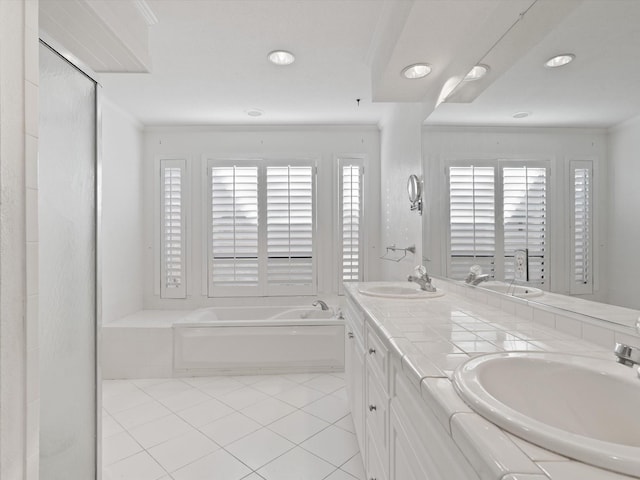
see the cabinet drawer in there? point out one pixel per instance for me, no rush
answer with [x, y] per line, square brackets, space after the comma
[376, 411]
[354, 317]
[377, 357]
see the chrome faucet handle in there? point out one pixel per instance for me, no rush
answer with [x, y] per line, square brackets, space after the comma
[627, 355]
[322, 304]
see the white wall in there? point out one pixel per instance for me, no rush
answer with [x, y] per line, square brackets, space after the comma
[19, 343]
[558, 146]
[400, 154]
[122, 215]
[327, 143]
[623, 236]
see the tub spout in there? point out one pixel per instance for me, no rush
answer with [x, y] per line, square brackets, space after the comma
[322, 304]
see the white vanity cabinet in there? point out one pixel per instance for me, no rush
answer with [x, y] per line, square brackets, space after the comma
[354, 367]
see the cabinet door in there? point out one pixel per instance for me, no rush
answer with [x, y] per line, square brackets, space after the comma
[357, 406]
[404, 462]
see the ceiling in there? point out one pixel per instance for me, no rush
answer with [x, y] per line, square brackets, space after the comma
[208, 61]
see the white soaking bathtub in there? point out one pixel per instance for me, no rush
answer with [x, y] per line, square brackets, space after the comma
[230, 340]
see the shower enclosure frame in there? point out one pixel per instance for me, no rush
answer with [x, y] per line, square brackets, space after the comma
[58, 48]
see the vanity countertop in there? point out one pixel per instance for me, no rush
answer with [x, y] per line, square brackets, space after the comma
[431, 337]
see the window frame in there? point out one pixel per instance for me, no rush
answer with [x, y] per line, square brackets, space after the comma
[574, 286]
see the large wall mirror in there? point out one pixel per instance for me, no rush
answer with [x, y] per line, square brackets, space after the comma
[545, 159]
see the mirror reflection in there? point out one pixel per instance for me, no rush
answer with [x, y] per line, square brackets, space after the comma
[540, 155]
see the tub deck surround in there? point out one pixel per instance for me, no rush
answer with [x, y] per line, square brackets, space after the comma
[428, 339]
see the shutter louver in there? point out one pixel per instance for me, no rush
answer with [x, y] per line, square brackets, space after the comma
[472, 220]
[351, 203]
[173, 229]
[234, 227]
[525, 218]
[290, 228]
[581, 250]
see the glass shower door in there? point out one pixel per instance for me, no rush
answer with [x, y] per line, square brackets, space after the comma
[67, 270]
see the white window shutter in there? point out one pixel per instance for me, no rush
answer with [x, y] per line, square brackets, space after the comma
[173, 229]
[290, 230]
[233, 235]
[581, 226]
[525, 219]
[350, 214]
[472, 214]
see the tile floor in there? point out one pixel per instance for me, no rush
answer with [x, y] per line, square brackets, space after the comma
[271, 427]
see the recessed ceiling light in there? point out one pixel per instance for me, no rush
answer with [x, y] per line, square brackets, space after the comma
[254, 112]
[417, 70]
[476, 73]
[521, 114]
[281, 57]
[559, 60]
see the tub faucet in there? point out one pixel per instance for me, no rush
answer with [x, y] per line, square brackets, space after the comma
[422, 278]
[627, 355]
[475, 279]
[322, 304]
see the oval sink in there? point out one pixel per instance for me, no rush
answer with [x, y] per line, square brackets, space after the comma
[398, 291]
[581, 407]
[520, 291]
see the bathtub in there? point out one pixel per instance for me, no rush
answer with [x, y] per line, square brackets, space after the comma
[227, 340]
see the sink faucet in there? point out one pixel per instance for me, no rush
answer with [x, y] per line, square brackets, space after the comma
[322, 304]
[422, 279]
[475, 279]
[627, 355]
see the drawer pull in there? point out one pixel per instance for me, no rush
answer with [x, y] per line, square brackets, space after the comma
[372, 351]
[350, 334]
[372, 408]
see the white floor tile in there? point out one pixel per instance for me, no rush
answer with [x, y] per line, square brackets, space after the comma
[221, 386]
[300, 377]
[274, 385]
[230, 428]
[341, 393]
[117, 447]
[147, 382]
[166, 389]
[268, 411]
[259, 448]
[160, 430]
[340, 475]
[218, 465]
[185, 399]
[183, 450]
[137, 467]
[124, 401]
[354, 466]
[141, 414]
[329, 408]
[298, 426]
[243, 397]
[296, 464]
[249, 379]
[325, 383]
[253, 476]
[205, 412]
[110, 426]
[112, 388]
[300, 396]
[333, 445]
[346, 423]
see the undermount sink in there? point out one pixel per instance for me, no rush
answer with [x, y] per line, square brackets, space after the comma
[520, 291]
[581, 407]
[397, 291]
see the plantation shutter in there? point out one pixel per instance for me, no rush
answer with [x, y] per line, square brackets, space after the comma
[525, 218]
[472, 220]
[351, 176]
[233, 249]
[173, 234]
[290, 226]
[581, 215]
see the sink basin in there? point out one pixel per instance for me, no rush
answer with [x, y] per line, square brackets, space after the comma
[521, 291]
[398, 291]
[581, 407]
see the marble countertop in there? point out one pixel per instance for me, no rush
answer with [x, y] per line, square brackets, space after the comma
[431, 337]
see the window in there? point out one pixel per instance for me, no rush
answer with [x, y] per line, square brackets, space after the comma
[351, 174]
[262, 225]
[581, 218]
[494, 211]
[172, 236]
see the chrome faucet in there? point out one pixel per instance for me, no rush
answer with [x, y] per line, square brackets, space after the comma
[322, 304]
[422, 279]
[475, 279]
[627, 355]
